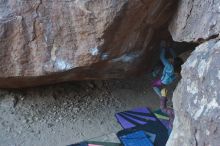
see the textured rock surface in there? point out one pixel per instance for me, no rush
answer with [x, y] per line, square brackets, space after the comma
[49, 41]
[196, 20]
[197, 99]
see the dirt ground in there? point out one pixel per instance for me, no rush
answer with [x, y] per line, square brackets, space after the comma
[68, 113]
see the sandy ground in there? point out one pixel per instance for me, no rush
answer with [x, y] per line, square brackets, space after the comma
[68, 113]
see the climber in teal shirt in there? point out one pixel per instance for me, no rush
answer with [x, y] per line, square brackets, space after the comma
[171, 67]
[168, 75]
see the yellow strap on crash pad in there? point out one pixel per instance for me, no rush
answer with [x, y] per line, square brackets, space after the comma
[162, 117]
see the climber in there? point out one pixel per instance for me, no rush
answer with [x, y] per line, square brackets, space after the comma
[171, 68]
[164, 108]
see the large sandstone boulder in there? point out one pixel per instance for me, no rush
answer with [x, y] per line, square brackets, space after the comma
[197, 99]
[49, 41]
[196, 20]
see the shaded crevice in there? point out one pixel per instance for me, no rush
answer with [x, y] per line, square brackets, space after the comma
[202, 40]
[35, 20]
[196, 138]
[38, 6]
[189, 14]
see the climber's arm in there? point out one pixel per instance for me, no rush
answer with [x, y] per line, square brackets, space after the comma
[163, 59]
[172, 52]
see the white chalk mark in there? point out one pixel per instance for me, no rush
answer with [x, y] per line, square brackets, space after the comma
[61, 64]
[126, 58]
[104, 56]
[94, 51]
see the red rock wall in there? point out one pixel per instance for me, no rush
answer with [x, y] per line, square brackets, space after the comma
[45, 42]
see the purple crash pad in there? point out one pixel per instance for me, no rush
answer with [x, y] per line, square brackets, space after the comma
[135, 117]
